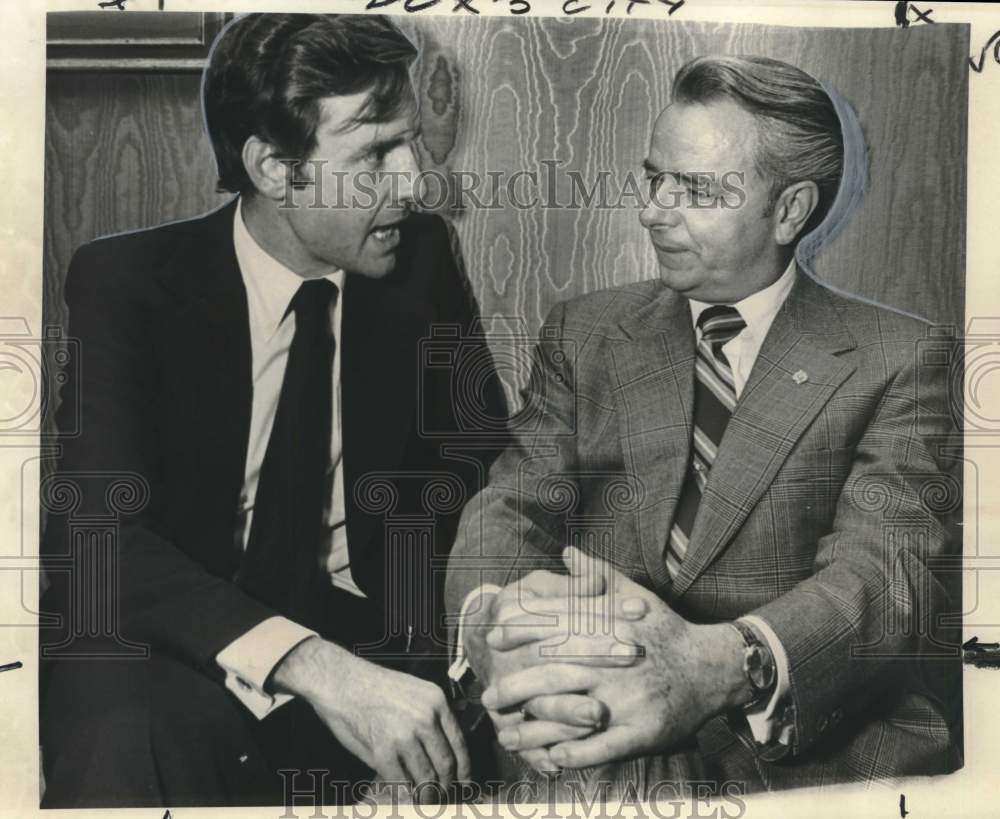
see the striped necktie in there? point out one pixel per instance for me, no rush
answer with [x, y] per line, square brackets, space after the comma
[714, 400]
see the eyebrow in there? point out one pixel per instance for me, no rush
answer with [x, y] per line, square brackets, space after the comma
[690, 180]
[387, 145]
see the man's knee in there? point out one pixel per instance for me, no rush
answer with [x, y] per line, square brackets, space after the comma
[141, 732]
[95, 721]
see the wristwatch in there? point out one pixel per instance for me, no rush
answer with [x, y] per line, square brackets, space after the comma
[758, 664]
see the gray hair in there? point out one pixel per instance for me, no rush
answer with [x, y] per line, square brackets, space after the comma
[799, 134]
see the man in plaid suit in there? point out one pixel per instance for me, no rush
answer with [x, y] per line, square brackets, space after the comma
[755, 473]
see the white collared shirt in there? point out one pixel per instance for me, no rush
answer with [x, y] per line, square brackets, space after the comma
[758, 311]
[270, 286]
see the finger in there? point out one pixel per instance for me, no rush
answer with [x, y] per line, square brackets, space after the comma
[633, 608]
[553, 611]
[540, 734]
[453, 733]
[540, 582]
[583, 649]
[528, 612]
[437, 747]
[389, 768]
[539, 759]
[571, 709]
[526, 629]
[502, 720]
[418, 766]
[603, 652]
[550, 678]
[549, 584]
[581, 565]
[382, 793]
[517, 623]
[614, 744]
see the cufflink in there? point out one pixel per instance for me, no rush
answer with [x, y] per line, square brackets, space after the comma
[800, 377]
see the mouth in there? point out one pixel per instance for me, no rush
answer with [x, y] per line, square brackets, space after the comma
[667, 248]
[387, 234]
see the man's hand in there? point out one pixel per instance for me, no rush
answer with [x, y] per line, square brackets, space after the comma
[550, 719]
[395, 723]
[689, 673]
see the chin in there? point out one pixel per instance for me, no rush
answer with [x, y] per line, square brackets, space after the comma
[677, 280]
[376, 270]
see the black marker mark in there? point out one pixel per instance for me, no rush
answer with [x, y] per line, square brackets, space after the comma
[673, 6]
[628, 10]
[12, 666]
[631, 3]
[902, 806]
[571, 7]
[981, 655]
[922, 16]
[993, 41]
[118, 4]
[465, 4]
[902, 7]
[409, 6]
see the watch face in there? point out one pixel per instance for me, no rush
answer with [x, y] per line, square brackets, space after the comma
[760, 671]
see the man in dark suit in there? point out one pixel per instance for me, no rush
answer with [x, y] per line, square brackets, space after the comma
[756, 465]
[253, 376]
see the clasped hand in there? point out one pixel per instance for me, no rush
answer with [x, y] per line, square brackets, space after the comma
[592, 668]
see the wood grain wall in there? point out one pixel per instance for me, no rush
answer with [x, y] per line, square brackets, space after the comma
[503, 94]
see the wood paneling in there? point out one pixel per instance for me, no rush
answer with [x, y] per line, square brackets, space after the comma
[122, 151]
[137, 41]
[504, 94]
[586, 92]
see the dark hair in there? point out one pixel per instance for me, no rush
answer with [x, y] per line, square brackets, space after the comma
[799, 134]
[267, 72]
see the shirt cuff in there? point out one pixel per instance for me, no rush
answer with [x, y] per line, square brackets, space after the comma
[249, 660]
[766, 719]
[460, 664]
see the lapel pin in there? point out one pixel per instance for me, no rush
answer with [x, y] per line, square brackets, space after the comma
[800, 377]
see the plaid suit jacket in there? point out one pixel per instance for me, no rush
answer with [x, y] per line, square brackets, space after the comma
[830, 508]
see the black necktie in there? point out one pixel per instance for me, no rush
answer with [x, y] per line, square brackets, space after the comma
[714, 399]
[281, 565]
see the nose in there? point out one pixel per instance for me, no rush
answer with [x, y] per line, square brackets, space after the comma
[662, 208]
[409, 184]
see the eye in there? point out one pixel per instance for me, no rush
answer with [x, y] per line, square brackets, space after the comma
[701, 193]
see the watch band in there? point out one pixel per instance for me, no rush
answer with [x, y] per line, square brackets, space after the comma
[758, 664]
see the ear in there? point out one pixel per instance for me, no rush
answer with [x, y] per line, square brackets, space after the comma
[792, 210]
[269, 174]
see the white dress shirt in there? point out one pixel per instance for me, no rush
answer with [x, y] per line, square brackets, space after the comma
[758, 311]
[270, 286]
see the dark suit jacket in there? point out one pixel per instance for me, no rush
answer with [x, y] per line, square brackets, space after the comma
[827, 505]
[164, 395]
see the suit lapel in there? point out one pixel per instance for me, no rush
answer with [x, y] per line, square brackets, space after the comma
[210, 340]
[794, 376]
[380, 335]
[654, 390]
